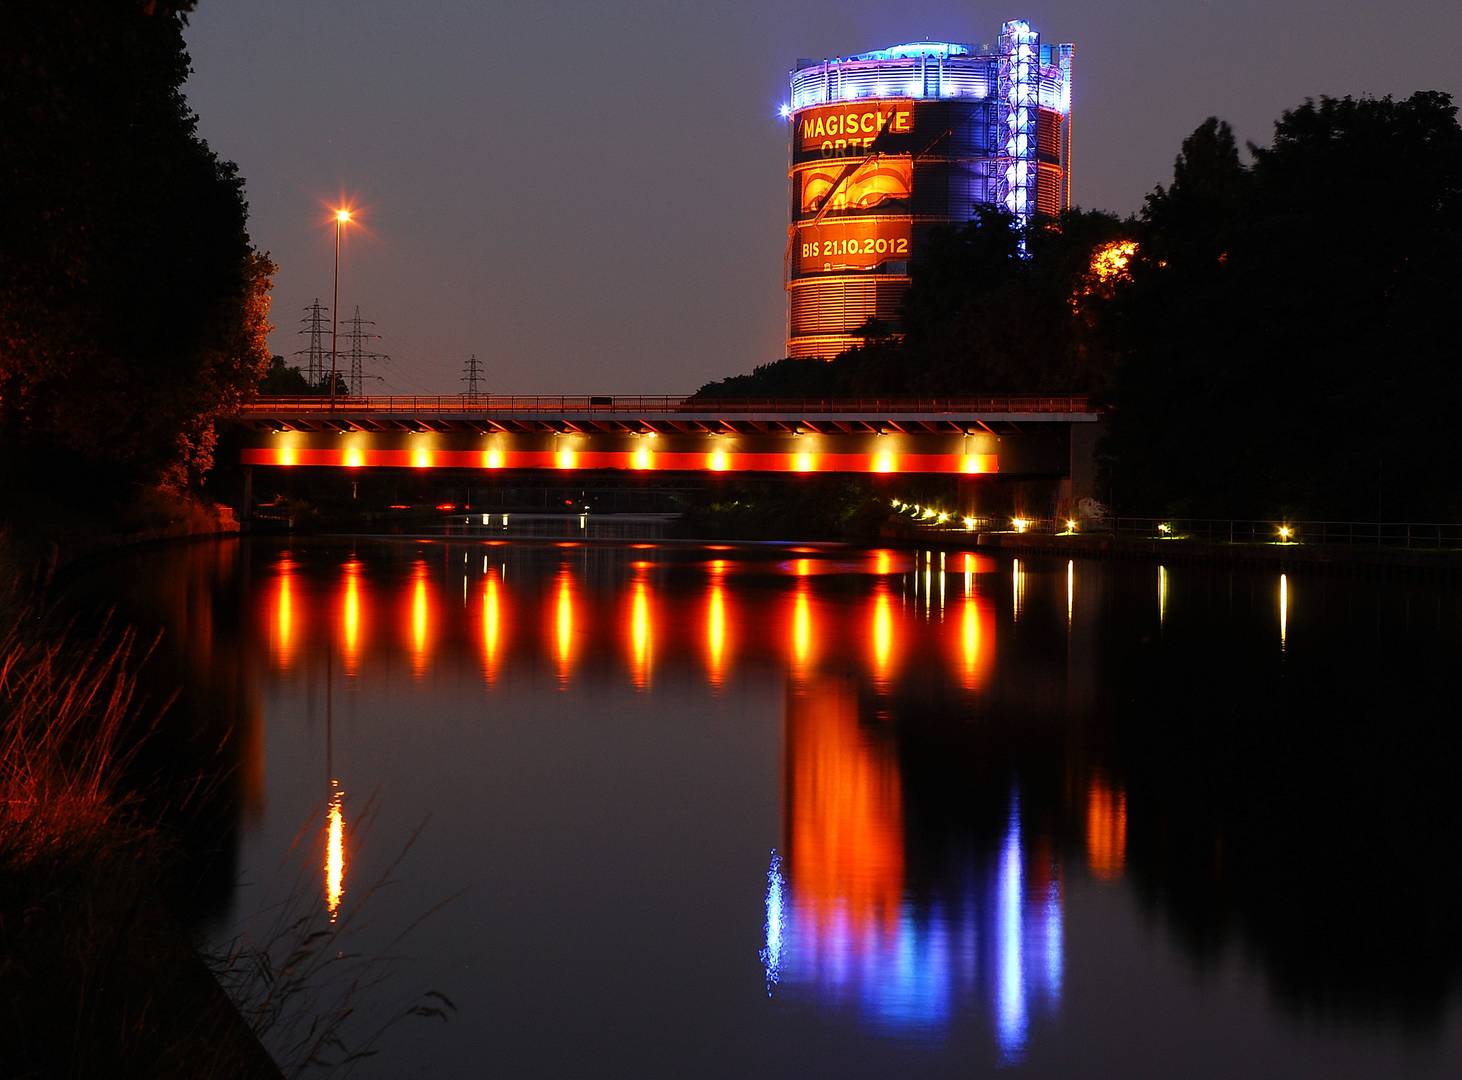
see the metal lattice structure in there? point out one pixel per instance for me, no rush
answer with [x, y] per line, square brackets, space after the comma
[472, 376]
[315, 323]
[358, 356]
[1018, 89]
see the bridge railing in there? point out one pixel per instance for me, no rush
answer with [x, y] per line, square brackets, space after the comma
[1422, 535]
[1408, 535]
[502, 404]
[1412, 535]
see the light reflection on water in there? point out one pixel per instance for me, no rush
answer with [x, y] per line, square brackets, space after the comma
[848, 932]
[335, 851]
[903, 900]
[571, 627]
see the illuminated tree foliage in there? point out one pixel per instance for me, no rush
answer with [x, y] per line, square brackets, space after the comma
[1287, 342]
[133, 309]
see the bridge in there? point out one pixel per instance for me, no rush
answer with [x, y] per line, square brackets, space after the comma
[1029, 435]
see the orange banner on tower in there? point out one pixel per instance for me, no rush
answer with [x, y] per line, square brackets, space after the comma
[851, 188]
[850, 244]
[850, 127]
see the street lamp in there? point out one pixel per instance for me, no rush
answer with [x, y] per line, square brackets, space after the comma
[342, 218]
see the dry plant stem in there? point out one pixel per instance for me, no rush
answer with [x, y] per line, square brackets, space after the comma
[299, 989]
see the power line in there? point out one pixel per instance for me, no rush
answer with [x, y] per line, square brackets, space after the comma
[356, 350]
[472, 375]
[315, 317]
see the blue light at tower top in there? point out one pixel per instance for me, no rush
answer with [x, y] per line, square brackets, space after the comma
[930, 69]
[913, 50]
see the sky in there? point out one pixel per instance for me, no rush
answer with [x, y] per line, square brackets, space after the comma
[591, 196]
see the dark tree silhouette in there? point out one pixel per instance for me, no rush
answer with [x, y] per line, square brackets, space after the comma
[1287, 344]
[133, 308]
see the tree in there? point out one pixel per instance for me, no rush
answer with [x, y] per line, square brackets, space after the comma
[133, 308]
[284, 380]
[1285, 346]
[982, 316]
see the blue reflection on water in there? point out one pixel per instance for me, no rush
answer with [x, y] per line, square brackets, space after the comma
[995, 946]
[771, 953]
[1055, 942]
[1011, 1015]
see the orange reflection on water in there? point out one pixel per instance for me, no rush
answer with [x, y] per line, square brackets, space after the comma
[1106, 829]
[350, 617]
[882, 635]
[420, 620]
[491, 624]
[335, 851]
[563, 625]
[716, 630]
[641, 634]
[802, 642]
[845, 812]
[284, 616]
[976, 642]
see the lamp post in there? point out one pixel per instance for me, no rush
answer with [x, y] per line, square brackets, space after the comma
[342, 217]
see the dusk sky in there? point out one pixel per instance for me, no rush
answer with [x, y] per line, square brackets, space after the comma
[592, 196]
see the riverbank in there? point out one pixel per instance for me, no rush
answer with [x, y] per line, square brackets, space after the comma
[37, 541]
[98, 973]
[1181, 550]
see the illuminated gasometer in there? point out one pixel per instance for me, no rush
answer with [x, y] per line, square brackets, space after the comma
[886, 145]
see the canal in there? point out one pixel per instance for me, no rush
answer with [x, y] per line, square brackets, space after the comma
[662, 810]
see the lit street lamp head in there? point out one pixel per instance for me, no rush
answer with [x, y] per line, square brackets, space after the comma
[342, 216]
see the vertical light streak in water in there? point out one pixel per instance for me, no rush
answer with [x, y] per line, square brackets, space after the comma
[1283, 611]
[928, 584]
[776, 902]
[969, 638]
[969, 574]
[491, 624]
[1106, 829]
[641, 635]
[284, 616]
[420, 621]
[335, 850]
[563, 626]
[1010, 1028]
[1162, 597]
[941, 586]
[1055, 943]
[882, 636]
[350, 617]
[1017, 588]
[1070, 590]
[716, 631]
[801, 629]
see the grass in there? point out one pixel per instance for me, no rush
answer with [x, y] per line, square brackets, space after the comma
[318, 1005]
[95, 976]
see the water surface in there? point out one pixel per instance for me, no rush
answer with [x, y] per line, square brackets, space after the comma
[812, 811]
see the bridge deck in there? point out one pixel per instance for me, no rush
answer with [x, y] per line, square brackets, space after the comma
[1026, 434]
[622, 413]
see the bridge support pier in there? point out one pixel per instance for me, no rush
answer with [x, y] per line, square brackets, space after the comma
[246, 500]
[1081, 475]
